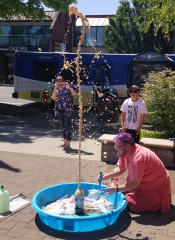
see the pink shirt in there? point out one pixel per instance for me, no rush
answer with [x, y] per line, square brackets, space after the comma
[145, 164]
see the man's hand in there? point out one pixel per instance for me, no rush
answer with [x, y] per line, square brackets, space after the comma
[104, 177]
[110, 190]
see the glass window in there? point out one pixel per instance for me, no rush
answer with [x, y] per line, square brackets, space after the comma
[77, 33]
[25, 30]
[20, 30]
[138, 73]
[108, 75]
[42, 41]
[4, 41]
[17, 41]
[44, 71]
[92, 36]
[7, 30]
[14, 41]
[84, 72]
[96, 36]
[97, 75]
[33, 41]
[26, 41]
[77, 36]
[15, 36]
[37, 30]
[70, 75]
[47, 30]
[100, 33]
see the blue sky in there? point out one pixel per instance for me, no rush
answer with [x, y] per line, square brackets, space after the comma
[97, 7]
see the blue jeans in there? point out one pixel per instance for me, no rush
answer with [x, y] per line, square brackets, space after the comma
[65, 121]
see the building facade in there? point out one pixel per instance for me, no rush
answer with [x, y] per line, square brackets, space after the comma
[95, 43]
[56, 33]
[51, 35]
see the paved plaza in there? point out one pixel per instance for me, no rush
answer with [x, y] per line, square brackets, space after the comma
[30, 160]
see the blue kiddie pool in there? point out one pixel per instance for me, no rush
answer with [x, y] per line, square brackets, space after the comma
[75, 223]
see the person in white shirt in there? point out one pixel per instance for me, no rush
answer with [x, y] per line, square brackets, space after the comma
[133, 113]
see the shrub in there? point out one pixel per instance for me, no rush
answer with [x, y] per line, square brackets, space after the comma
[159, 97]
[153, 134]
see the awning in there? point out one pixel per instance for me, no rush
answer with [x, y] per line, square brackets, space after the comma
[94, 22]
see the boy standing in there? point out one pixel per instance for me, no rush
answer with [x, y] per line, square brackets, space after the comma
[133, 113]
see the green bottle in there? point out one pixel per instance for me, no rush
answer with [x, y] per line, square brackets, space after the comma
[4, 200]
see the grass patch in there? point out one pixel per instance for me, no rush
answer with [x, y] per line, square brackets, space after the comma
[154, 134]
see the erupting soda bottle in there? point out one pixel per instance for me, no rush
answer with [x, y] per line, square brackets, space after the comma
[79, 201]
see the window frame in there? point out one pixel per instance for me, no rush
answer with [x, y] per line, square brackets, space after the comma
[84, 41]
[28, 40]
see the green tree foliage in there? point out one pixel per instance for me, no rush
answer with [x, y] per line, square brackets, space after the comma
[161, 13]
[122, 35]
[125, 35]
[31, 9]
[159, 97]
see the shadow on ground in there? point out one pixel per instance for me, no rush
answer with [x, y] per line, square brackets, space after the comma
[42, 122]
[109, 232]
[156, 219]
[76, 151]
[8, 167]
[120, 229]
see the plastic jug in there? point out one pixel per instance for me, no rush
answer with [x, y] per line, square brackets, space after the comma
[4, 200]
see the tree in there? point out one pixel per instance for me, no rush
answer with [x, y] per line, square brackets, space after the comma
[124, 34]
[160, 13]
[31, 9]
[159, 96]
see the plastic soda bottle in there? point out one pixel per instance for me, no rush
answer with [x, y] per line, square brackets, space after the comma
[4, 200]
[114, 180]
[79, 201]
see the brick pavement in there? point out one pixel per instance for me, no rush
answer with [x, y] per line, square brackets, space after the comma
[29, 173]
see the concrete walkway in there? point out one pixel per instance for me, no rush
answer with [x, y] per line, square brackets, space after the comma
[29, 173]
[30, 160]
[16, 139]
[40, 134]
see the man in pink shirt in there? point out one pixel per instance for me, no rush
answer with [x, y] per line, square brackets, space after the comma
[147, 188]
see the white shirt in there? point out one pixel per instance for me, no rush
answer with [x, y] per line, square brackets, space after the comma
[133, 112]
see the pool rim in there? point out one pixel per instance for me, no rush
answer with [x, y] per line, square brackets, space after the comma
[85, 218]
